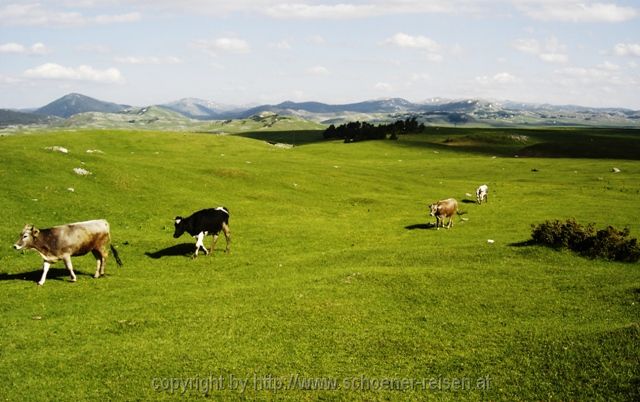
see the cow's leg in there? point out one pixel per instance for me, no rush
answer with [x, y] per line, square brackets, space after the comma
[100, 262]
[437, 223]
[227, 236]
[450, 222]
[45, 269]
[200, 243]
[67, 263]
[213, 243]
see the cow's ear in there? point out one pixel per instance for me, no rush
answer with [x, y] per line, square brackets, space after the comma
[35, 232]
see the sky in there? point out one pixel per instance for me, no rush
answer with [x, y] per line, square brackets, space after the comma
[247, 52]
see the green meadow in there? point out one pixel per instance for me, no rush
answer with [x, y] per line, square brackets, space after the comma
[337, 286]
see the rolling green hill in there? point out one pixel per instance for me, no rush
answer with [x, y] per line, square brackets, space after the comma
[155, 118]
[336, 287]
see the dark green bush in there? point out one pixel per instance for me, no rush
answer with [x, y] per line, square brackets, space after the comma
[609, 243]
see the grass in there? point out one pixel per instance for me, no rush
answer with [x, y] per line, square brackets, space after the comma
[332, 274]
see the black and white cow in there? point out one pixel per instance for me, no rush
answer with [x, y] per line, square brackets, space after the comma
[204, 222]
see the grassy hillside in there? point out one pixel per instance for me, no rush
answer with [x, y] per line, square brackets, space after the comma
[155, 118]
[334, 274]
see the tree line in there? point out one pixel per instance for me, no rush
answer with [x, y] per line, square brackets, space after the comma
[361, 131]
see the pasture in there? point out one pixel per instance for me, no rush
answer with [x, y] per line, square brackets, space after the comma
[336, 287]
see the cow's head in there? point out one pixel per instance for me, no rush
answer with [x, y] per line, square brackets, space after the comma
[29, 233]
[179, 224]
[433, 209]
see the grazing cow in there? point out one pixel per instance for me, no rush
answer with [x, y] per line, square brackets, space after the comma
[482, 193]
[66, 241]
[207, 221]
[444, 209]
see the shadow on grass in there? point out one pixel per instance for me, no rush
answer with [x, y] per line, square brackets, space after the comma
[422, 226]
[182, 249]
[576, 142]
[60, 274]
[299, 137]
[468, 201]
[524, 243]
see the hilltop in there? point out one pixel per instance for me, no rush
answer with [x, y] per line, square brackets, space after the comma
[74, 103]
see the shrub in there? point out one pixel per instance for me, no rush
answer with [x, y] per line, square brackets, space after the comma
[609, 243]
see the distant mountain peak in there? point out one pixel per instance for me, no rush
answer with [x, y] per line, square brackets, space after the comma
[197, 108]
[74, 103]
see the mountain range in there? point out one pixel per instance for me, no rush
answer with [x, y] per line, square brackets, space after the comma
[435, 111]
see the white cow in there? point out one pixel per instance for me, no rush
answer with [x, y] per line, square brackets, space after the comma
[482, 193]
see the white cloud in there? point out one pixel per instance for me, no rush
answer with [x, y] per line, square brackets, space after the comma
[545, 10]
[35, 14]
[554, 57]
[148, 60]
[531, 46]
[374, 8]
[419, 42]
[609, 66]
[383, 86]
[577, 11]
[289, 9]
[230, 45]
[116, 19]
[627, 49]
[13, 48]
[318, 70]
[413, 42]
[282, 45]
[52, 71]
[503, 78]
[320, 11]
[16, 48]
[593, 77]
[552, 51]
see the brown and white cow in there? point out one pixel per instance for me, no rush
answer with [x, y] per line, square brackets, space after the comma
[63, 242]
[444, 209]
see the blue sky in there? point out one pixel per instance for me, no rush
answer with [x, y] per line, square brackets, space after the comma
[143, 52]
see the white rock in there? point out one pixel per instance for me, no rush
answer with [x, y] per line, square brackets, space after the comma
[57, 148]
[81, 171]
[490, 241]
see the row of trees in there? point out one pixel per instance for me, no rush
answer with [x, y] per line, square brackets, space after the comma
[361, 131]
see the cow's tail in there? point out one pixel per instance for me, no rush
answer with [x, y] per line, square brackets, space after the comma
[115, 255]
